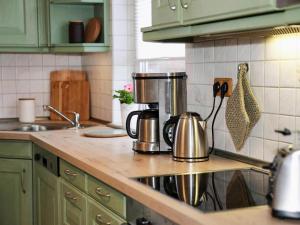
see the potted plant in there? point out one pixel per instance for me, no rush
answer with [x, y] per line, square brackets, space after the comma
[125, 97]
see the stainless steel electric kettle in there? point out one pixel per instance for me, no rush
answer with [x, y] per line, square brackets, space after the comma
[284, 182]
[188, 138]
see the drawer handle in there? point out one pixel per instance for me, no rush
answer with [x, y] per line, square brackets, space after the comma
[184, 5]
[172, 7]
[69, 195]
[70, 173]
[100, 221]
[23, 181]
[99, 192]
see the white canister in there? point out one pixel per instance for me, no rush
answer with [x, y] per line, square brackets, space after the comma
[26, 110]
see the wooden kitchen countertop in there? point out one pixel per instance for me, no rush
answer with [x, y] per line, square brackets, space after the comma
[112, 161]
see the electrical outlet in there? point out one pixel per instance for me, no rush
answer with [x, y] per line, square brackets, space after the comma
[229, 82]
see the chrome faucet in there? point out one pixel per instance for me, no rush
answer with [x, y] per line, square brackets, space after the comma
[75, 122]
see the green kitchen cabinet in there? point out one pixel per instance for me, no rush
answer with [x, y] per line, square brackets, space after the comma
[18, 23]
[16, 192]
[64, 11]
[172, 13]
[199, 11]
[73, 205]
[166, 13]
[43, 23]
[47, 191]
[98, 214]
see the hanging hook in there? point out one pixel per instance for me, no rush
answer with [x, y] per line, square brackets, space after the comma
[243, 65]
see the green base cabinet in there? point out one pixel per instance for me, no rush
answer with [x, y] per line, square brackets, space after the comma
[16, 192]
[73, 205]
[98, 214]
[47, 190]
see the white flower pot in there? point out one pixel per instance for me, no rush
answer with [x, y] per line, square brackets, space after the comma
[125, 110]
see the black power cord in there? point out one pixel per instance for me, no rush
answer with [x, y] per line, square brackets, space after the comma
[224, 89]
[216, 89]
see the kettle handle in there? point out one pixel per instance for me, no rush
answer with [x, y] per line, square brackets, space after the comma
[173, 120]
[128, 120]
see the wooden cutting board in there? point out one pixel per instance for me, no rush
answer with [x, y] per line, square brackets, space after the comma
[68, 75]
[70, 94]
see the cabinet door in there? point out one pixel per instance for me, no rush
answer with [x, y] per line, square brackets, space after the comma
[46, 196]
[197, 11]
[166, 13]
[43, 23]
[18, 23]
[73, 206]
[16, 192]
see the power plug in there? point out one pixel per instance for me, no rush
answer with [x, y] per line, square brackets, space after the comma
[221, 81]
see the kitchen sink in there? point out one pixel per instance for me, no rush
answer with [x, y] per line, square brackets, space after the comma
[13, 125]
[38, 127]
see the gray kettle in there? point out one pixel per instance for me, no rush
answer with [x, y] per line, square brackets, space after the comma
[284, 182]
[188, 137]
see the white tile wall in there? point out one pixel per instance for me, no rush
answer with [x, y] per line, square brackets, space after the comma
[111, 71]
[27, 75]
[274, 76]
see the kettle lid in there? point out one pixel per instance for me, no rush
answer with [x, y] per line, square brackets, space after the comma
[190, 115]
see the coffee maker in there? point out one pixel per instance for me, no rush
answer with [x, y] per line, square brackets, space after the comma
[165, 92]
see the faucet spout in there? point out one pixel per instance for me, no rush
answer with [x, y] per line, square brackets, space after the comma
[74, 123]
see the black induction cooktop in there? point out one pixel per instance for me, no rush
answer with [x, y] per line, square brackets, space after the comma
[214, 191]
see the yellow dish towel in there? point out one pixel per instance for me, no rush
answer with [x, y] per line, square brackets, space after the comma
[242, 111]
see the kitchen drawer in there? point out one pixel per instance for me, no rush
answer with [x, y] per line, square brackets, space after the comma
[16, 149]
[73, 175]
[73, 205]
[97, 214]
[108, 196]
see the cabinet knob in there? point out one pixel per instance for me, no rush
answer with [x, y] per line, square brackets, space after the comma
[173, 6]
[100, 220]
[184, 5]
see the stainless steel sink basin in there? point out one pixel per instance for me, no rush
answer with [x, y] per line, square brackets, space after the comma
[13, 125]
[38, 127]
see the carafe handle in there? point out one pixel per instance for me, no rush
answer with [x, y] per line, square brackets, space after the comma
[172, 121]
[128, 120]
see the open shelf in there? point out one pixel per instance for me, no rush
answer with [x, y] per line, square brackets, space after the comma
[80, 47]
[64, 11]
[76, 1]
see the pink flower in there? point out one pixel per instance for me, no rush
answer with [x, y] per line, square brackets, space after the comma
[128, 87]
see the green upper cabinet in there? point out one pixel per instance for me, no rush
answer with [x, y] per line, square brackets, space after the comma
[18, 23]
[16, 192]
[63, 11]
[42, 25]
[165, 13]
[199, 11]
[172, 13]
[185, 20]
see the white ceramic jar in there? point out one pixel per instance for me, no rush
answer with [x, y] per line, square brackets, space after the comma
[26, 110]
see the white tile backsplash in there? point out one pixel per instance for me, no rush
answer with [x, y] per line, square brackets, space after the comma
[28, 75]
[275, 79]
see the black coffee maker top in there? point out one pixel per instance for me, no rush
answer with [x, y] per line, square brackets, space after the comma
[214, 191]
